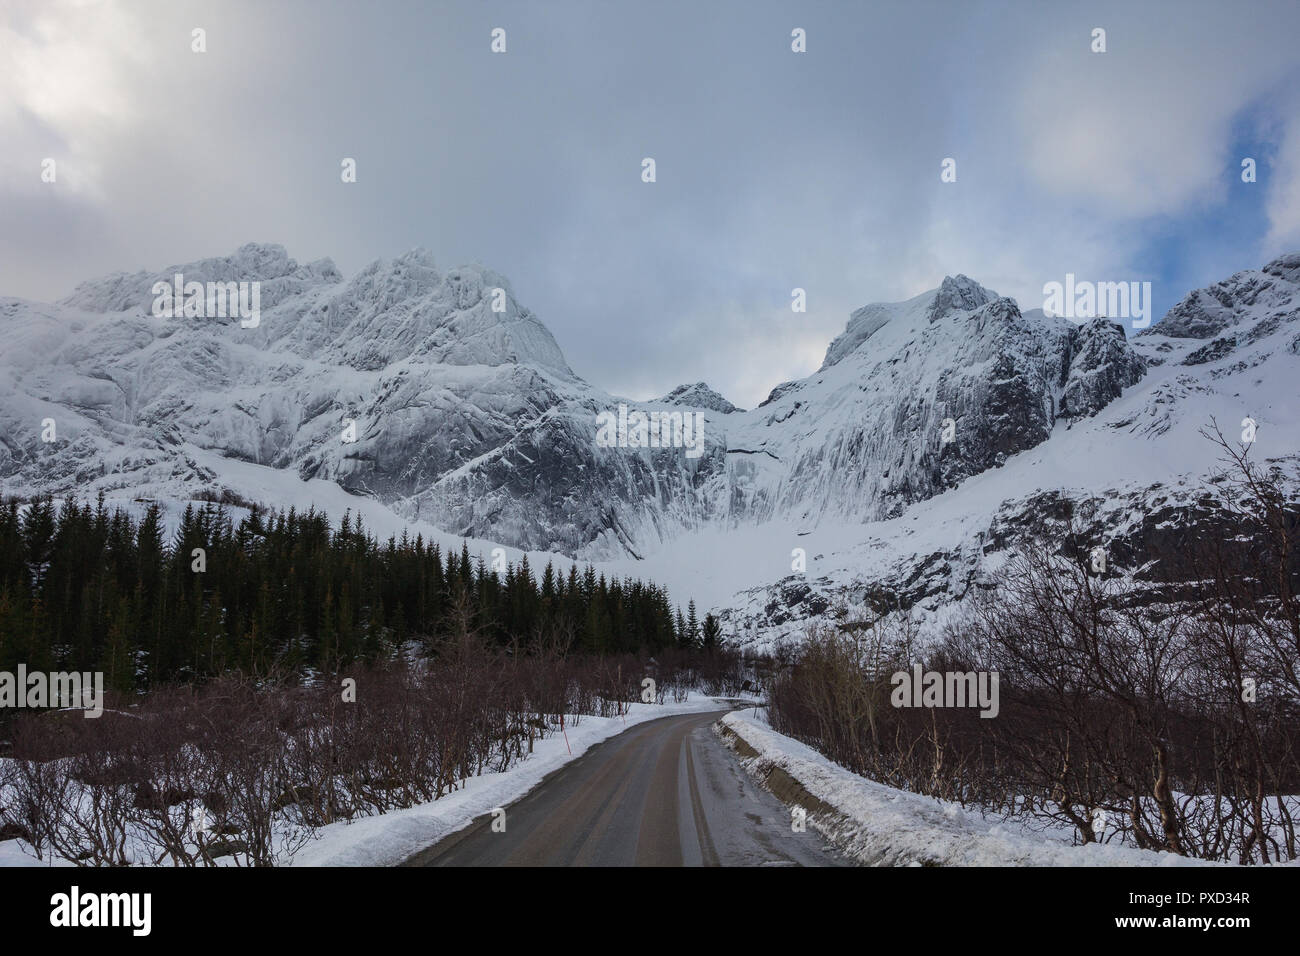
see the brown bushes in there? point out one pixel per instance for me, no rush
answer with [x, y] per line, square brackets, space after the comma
[243, 772]
[1168, 726]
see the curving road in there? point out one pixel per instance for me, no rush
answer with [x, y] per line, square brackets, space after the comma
[663, 793]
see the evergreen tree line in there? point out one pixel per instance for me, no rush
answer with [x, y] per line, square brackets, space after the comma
[85, 588]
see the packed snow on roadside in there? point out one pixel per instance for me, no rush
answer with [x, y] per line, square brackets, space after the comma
[882, 826]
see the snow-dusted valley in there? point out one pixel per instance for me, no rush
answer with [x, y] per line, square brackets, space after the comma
[607, 435]
[469, 423]
[940, 438]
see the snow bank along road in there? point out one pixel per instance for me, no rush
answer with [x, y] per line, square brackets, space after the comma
[663, 793]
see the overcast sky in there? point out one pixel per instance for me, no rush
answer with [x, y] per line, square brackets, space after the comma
[775, 170]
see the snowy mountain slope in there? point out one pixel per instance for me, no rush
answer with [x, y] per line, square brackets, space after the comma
[858, 441]
[405, 385]
[1134, 474]
[448, 401]
[399, 344]
[470, 421]
[864, 436]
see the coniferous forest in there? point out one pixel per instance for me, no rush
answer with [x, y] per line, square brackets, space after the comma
[277, 673]
[85, 587]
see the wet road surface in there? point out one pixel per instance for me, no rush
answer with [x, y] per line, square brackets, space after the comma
[663, 793]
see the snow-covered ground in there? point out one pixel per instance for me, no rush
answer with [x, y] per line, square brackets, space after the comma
[882, 826]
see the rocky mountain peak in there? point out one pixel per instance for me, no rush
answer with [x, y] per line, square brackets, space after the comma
[959, 293]
[955, 295]
[267, 263]
[1241, 298]
[699, 395]
[1101, 364]
[1285, 267]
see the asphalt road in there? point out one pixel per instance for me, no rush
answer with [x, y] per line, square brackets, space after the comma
[663, 793]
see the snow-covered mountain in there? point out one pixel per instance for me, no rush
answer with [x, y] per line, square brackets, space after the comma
[437, 396]
[1126, 466]
[699, 395]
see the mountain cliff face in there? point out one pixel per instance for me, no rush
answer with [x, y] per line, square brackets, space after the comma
[1101, 366]
[916, 396]
[437, 394]
[1127, 469]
